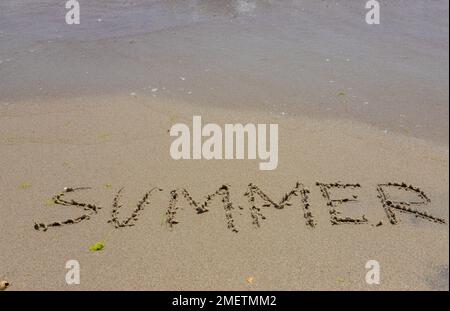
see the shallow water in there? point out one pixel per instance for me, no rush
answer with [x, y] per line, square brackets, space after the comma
[315, 58]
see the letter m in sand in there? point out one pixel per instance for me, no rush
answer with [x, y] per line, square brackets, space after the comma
[298, 190]
[223, 192]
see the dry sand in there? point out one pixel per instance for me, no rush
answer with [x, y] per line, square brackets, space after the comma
[354, 104]
[112, 142]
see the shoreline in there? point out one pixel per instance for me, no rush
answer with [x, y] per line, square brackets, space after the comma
[56, 104]
[316, 59]
[359, 111]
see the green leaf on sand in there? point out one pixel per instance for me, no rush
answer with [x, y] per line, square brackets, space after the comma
[97, 247]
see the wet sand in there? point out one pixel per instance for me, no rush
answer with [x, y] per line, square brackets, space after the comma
[314, 58]
[91, 107]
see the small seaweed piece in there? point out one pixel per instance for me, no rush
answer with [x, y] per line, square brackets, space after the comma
[97, 246]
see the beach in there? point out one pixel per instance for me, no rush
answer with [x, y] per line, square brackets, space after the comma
[359, 108]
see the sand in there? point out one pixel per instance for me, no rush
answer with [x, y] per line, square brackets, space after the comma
[93, 109]
[112, 142]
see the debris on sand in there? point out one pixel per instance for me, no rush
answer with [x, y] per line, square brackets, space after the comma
[4, 285]
[97, 247]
